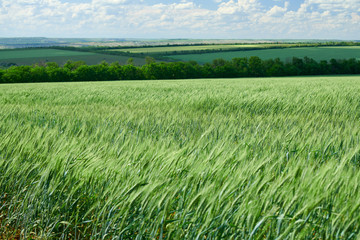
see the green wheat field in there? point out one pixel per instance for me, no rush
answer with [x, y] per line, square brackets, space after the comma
[275, 158]
[36, 56]
[286, 54]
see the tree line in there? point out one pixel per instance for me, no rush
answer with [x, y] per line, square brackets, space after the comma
[219, 68]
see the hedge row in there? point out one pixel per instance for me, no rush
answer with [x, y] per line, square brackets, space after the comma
[219, 68]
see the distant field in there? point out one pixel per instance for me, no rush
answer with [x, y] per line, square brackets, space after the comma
[168, 49]
[273, 158]
[32, 56]
[113, 42]
[317, 53]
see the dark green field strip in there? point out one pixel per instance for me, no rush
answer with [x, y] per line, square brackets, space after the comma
[90, 59]
[33, 56]
[39, 53]
[316, 53]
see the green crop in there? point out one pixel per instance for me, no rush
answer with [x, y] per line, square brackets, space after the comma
[169, 49]
[285, 54]
[34, 56]
[273, 158]
[36, 53]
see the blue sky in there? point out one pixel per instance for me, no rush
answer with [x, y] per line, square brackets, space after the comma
[229, 19]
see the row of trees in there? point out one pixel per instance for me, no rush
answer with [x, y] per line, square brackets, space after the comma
[219, 68]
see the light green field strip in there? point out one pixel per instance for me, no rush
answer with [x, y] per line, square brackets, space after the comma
[36, 53]
[274, 158]
[194, 48]
[317, 53]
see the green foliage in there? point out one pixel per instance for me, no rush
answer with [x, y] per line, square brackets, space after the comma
[73, 65]
[207, 159]
[59, 74]
[19, 74]
[276, 67]
[219, 68]
[52, 65]
[149, 60]
[256, 67]
[130, 61]
[1, 75]
[130, 72]
[39, 74]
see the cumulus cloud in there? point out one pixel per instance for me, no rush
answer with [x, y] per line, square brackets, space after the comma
[232, 6]
[108, 2]
[277, 10]
[182, 18]
[335, 5]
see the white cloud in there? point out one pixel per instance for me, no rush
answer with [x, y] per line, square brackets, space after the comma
[108, 2]
[277, 11]
[355, 18]
[232, 6]
[184, 18]
[335, 5]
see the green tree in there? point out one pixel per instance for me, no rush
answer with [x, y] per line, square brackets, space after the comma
[84, 73]
[290, 69]
[1, 75]
[223, 69]
[71, 65]
[311, 67]
[352, 66]
[241, 66]
[207, 70]
[101, 72]
[357, 67]
[58, 74]
[52, 65]
[192, 70]
[256, 67]
[130, 61]
[157, 71]
[130, 72]
[274, 67]
[115, 70]
[298, 64]
[149, 60]
[324, 67]
[39, 74]
[20, 74]
[334, 66]
[177, 70]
